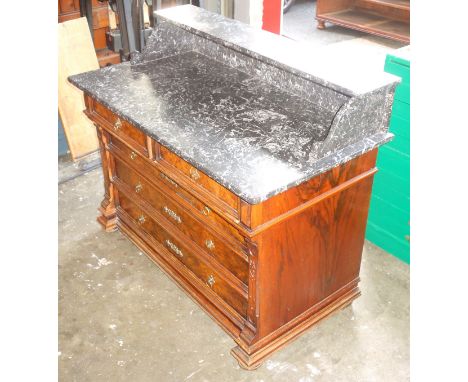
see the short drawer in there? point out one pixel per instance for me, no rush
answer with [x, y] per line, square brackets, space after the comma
[207, 273]
[199, 178]
[122, 129]
[184, 221]
[172, 188]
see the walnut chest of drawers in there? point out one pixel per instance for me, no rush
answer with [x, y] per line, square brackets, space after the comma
[244, 174]
[264, 272]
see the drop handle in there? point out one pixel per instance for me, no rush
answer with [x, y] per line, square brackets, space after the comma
[133, 155]
[194, 173]
[209, 244]
[172, 214]
[141, 219]
[138, 187]
[117, 124]
[211, 281]
[166, 178]
[205, 211]
[174, 248]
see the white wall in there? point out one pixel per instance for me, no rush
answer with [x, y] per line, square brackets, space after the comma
[247, 11]
[256, 13]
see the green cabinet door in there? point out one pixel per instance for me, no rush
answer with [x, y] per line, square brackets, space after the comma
[388, 224]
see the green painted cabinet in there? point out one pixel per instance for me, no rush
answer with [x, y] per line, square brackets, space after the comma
[388, 225]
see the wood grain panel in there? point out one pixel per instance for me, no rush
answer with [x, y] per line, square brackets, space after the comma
[311, 255]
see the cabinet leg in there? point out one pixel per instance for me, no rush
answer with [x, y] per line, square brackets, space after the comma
[320, 24]
[108, 217]
[245, 361]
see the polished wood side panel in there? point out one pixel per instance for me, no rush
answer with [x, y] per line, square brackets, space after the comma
[200, 178]
[308, 265]
[310, 256]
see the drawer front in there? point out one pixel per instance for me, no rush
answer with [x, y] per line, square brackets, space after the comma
[202, 270]
[173, 189]
[198, 177]
[185, 222]
[124, 130]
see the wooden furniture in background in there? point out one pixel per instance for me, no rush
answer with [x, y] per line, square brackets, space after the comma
[100, 27]
[264, 272]
[70, 9]
[386, 18]
[76, 55]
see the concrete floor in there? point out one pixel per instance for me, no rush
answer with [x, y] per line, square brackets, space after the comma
[122, 319]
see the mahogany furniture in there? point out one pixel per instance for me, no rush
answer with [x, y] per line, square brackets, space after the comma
[386, 18]
[245, 178]
[70, 9]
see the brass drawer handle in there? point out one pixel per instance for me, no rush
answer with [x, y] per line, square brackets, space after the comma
[165, 177]
[138, 187]
[133, 155]
[117, 124]
[141, 219]
[206, 211]
[194, 174]
[209, 244]
[210, 281]
[172, 214]
[174, 248]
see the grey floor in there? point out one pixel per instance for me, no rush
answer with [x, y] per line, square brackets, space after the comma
[122, 319]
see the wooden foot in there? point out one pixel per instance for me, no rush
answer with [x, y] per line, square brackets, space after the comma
[245, 361]
[320, 24]
[108, 217]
